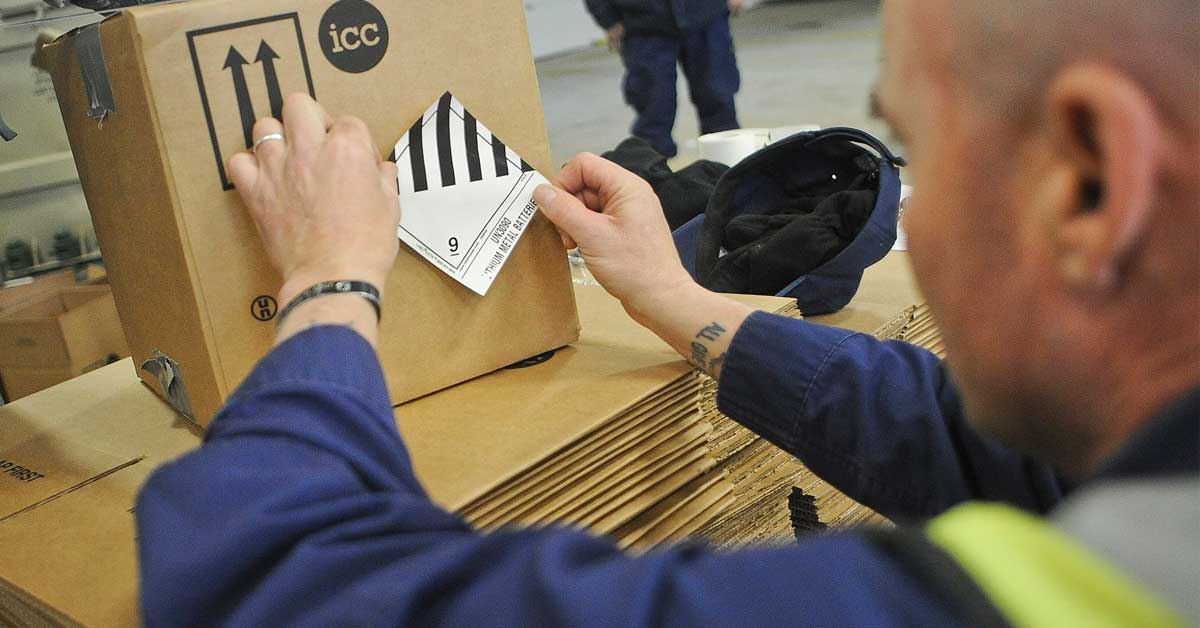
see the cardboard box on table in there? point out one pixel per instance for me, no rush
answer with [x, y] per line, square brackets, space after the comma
[194, 289]
[20, 292]
[61, 335]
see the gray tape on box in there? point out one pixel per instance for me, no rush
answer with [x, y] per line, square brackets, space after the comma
[90, 52]
[171, 379]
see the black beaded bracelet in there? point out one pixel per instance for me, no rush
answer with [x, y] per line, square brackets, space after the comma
[341, 286]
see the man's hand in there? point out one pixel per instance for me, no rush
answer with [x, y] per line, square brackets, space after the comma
[617, 223]
[736, 6]
[324, 202]
[615, 219]
[615, 36]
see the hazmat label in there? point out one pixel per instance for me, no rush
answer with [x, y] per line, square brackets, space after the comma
[465, 197]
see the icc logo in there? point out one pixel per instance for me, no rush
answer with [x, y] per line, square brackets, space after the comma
[354, 36]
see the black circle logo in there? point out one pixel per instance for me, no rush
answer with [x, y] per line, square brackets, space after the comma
[264, 308]
[354, 36]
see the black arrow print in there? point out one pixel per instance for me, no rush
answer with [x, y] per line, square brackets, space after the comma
[236, 63]
[266, 56]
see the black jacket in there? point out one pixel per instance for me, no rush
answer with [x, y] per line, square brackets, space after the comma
[658, 17]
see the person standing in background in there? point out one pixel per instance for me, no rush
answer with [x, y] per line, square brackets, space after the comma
[656, 36]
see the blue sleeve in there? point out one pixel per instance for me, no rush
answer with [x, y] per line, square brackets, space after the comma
[881, 421]
[301, 509]
[604, 12]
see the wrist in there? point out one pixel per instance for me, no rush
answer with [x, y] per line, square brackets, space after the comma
[345, 310]
[299, 282]
[652, 303]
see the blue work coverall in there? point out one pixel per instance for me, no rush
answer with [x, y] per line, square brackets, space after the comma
[661, 35]
[302, 508]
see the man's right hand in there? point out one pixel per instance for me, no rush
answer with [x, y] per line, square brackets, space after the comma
[615, 219]
[615, 35]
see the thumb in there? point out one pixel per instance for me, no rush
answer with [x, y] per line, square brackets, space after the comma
[569, 214]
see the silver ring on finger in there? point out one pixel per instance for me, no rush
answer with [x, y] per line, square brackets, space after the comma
[272, 137]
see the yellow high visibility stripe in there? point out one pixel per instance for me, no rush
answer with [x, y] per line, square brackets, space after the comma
[1037, 576]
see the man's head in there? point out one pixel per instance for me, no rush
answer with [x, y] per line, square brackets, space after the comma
[1055, 227]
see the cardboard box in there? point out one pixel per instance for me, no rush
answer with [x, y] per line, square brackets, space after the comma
[19, 292]
[63, 335]
[193, 286]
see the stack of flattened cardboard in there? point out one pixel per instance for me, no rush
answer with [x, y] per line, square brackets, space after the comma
[918, 327]
[587, 436]
[605, 435]
[778, 497]
[813, 504]
[761, 473]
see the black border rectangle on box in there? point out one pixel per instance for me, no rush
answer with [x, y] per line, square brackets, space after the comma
[226, 184]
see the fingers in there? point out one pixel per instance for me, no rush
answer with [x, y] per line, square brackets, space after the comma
[243, 170]
[568, 242]
[305, 120]
[389, 177]
[594, 179]
[573, 219]
[270, 154]
[356, 129]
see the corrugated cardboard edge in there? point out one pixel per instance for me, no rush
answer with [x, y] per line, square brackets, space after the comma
[124, 44]
[206, 326]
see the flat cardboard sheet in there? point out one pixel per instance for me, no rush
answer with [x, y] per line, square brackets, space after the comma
[77, 556]
[529, 414]
[623, 429]
[20, 382]
[37, 469]
[76, 552]
[562, 485]
[887, 288]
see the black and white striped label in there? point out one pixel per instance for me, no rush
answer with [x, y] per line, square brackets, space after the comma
[465, 196]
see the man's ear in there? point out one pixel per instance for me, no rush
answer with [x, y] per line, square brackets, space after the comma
[1108, 135]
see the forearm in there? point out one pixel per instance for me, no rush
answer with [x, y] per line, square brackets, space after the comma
[698, 323]
[879, 420]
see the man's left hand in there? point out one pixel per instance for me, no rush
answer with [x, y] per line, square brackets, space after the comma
[323, 199]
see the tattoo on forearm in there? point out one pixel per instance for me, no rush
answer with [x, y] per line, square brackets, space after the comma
[700, 350]
[712, 332]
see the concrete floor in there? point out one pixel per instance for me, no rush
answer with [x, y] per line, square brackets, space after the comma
[802, 62]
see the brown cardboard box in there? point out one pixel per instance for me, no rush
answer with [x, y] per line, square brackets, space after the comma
[60, 336]
[20, 292]
[191, 281]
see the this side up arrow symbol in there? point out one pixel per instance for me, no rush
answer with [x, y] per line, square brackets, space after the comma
[266, 56]
[236, 63]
